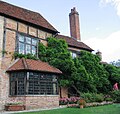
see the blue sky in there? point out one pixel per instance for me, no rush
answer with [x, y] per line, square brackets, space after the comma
[99, 21]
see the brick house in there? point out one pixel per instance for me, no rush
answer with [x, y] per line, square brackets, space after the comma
[32, 82]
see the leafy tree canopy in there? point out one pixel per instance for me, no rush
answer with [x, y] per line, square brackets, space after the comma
[84, 73]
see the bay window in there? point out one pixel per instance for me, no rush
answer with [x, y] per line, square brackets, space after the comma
[33, 83]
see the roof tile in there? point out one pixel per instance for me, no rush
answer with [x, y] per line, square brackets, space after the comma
[74, 43]
[25, 15]
[35, 65]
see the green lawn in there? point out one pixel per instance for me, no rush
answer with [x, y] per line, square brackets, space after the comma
[107, 109]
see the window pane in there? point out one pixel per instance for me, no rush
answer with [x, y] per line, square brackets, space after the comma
[28, 49]
[36, 84]
[34, 42]
[27, 45]
[28, 40]
[33, 50]
[21, 38]
[17, 83]
[74, 55]
[21, 48]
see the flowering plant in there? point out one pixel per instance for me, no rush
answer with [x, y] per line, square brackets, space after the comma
[71, 100]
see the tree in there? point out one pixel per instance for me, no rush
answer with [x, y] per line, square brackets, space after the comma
[97, 73]
[113, 73]
[84, 73]
[57, 54]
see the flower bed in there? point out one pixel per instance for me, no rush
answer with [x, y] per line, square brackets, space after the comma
[66, 101]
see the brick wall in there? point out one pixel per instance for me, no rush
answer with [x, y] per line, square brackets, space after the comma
[8, 31]
[74, 24]
[36, 102]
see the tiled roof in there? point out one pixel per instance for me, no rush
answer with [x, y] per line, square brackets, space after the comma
[74, 43]
[25, 15]
[35, 65]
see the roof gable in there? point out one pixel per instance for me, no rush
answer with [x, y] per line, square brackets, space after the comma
[35, 65]
[74, 43]
[25, 15]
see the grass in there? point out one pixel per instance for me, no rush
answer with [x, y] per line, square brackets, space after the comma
[107, 109]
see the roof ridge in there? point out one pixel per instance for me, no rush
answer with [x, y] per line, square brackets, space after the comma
[25, 63]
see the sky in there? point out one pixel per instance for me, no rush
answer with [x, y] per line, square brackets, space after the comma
[99, 21]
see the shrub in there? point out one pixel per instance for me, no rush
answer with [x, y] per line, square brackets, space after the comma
[116, 96]
[99, 97]
[88, 97]
[108, 98]
[92, 97]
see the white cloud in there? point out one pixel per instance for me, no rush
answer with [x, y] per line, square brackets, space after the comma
[97, 28]
[109, 46]
[115, 3]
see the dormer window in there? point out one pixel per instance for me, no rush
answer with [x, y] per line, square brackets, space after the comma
[27, 45]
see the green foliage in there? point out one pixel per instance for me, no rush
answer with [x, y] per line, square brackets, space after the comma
[113, 73]
[81, 77]
[84, 73]
[92, 97]
[116, 96]
[57, 54]
[27, 56]
[97, 74]
[108, 99]
[99, 97]
[88, 97]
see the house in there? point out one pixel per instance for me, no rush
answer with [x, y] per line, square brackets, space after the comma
[32, 82]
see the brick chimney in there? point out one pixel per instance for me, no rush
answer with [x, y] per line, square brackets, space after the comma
[74, 24]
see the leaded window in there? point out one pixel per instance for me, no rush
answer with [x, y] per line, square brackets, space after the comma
[33, 83]
[27, 45]
[17, 83]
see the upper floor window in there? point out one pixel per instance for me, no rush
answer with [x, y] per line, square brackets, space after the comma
[27, 44]
[73, 54]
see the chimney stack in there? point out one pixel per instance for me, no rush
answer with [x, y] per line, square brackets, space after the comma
[74, 24]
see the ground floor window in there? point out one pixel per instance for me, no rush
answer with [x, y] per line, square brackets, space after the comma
[33, 83]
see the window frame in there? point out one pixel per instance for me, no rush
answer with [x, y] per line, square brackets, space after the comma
[25, 43]
[50, 87]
